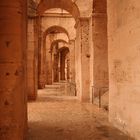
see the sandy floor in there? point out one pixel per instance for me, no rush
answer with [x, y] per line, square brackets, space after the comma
[54, 117]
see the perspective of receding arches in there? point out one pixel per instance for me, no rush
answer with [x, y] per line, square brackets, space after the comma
[59, 62]
[58, 41]
[56, 29]
[67, 5]
[84, 60]
[52, 36]
[64, 63]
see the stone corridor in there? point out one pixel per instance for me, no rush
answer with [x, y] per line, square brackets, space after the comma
[56, 117]
[61, 58]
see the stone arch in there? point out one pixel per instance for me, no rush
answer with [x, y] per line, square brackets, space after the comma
[64, 48]
[67, 5]
[63, 53]
[55, 29]
[57, 41]
[53, 75]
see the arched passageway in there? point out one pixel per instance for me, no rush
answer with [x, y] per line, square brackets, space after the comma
[55, 30]
[52, 36]
[23, 64]
[64, 63]
[83, 81]
[67, 5]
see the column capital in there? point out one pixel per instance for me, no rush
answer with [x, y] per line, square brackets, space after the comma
[71, 41]
[80, 19]
[99, 15]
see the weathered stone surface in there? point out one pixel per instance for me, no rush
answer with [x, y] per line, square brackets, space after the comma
[13, 119]
[83, 57]
[124, 68]
[100, 49]
[69, 42]
[62, 117]
[32, 59]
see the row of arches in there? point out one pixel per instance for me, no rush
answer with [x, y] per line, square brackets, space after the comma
[18, 74]
[69, 6]
[20, 80]
[56, 47]
[84, 76]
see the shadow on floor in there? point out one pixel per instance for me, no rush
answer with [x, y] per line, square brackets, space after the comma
[41, 131]
[55, 98]
[63, 118]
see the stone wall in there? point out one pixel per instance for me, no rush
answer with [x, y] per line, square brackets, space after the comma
[124, 68]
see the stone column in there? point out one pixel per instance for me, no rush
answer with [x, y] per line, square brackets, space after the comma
[48, 62]
[32, 59]
[62, 66]
[68, 67]
[44, 64]
[13, 101]
[41, 61]
[49, 67]
[55, 67]
[55, 64]
[72, 60]
[100, 46]
[83, 62]
[59, 65]
[52, 65]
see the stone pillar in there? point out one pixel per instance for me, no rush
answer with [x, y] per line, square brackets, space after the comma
[44, 64]
[100, 45]
[55, 63]
[48, 62]
[41, 60]
[13, 101]
[49, 67]
[62, 66]
[52, 65]
[72, 61]
[32, 59]
[55, 67]
[59, 65]
[83, 62]
[68, 67]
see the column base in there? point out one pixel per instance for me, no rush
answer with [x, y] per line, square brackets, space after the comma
[32, 98]
[41, 85]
